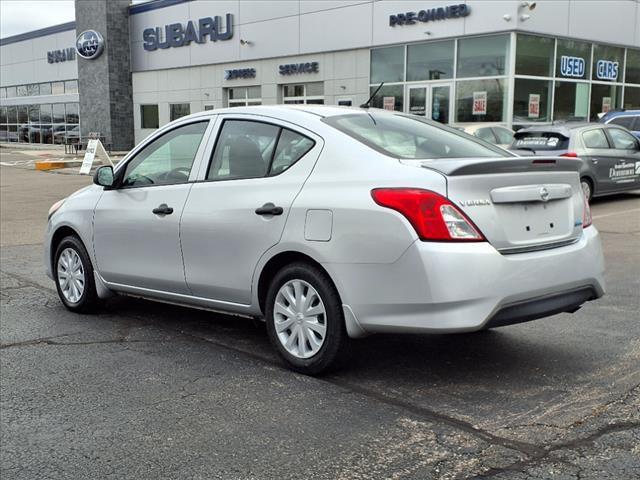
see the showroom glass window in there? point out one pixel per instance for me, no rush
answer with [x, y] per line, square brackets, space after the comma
[632, 74]
[430, 61]
[483, 56]
[309, 93]
[388, 95]
[632, 97]
[45, 88]
[532, 101]
[534, 55]
[71, 86]
[57, 88]
[573, 59]
[608, 63]
[604, 98]
[494, 91]
[387, 64]
[571, 101]
[244, 96]
[11, 92]
[149, 117]
[177, 110]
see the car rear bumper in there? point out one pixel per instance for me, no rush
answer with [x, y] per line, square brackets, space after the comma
[458, 287]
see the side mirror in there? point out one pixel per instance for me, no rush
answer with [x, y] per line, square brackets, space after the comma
[104, 176]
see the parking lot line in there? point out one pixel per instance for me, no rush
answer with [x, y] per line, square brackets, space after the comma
[616, 213]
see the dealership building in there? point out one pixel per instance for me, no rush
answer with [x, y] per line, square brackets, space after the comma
[124, 70]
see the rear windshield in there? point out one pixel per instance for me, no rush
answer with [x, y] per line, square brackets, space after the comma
[409, 137]
[540, 141]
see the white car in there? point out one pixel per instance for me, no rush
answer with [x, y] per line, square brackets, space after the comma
[330, 223]
[490, 132]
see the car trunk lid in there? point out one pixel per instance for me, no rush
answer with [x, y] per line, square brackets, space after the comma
[519, 203]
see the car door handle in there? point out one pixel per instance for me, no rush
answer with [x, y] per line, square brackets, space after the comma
[269, 209]
[594, 161]
[163, 209]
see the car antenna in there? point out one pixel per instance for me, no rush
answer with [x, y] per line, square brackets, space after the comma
[373, 95]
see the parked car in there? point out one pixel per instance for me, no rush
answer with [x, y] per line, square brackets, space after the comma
[629, 119]
[330, 224]
[610, 154]
[492, 133]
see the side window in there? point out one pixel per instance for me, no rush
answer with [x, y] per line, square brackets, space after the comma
[622, 140]
[504, 136]
[595, 139]
[291, 147]
[485, 134]
[243, 150]
[624, 121]
[166, 160]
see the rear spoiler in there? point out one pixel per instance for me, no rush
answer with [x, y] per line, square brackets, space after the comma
[479, 166]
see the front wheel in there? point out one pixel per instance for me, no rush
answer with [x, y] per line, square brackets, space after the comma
[74, 276]
[305, 321]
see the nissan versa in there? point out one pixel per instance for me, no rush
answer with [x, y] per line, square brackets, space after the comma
[330, 223]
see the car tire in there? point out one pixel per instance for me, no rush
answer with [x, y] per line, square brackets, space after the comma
[73, 275]
[305, 321]
[587, 187]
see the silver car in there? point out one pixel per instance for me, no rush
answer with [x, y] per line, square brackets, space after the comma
[330, 224]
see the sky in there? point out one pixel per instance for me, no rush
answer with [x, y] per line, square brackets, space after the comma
[19, 16]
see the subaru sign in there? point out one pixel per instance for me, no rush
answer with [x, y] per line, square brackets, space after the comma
[571, 66]
[607, 70]
[89, 44]
[176, 35]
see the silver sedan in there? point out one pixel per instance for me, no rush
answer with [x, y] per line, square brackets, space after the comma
[330, 224]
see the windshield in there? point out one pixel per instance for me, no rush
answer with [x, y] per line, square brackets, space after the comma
[409, 137]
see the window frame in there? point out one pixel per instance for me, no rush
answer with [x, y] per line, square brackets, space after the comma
[195, 167]
[142, 105]
[171, 113]
[304, 97]
[220, 126]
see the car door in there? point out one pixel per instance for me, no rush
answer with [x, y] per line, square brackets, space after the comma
[239, 211]
[600, 157]
[137, 224]
[625, 174]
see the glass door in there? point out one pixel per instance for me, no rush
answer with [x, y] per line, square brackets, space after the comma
[432, 101]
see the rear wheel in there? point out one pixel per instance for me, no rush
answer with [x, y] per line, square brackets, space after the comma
[304, 318]
[74, 276]
[587, 187]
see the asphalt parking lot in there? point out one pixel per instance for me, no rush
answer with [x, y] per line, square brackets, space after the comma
[145, 390]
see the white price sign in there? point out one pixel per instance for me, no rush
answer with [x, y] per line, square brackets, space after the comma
[94, 146]
[534, 105]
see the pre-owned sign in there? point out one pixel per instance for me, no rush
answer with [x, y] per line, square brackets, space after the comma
[176, 35]
[429, 15]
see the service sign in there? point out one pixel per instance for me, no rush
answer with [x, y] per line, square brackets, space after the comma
[296, 68]
[479, 103]
[534, 105]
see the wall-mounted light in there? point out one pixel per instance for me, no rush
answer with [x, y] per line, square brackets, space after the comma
[524, 18]
[530, 5]
[245, 42]
[427, 33]
[507, 17]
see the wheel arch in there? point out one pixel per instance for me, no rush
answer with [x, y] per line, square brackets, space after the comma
[286, 257]
[61, 232]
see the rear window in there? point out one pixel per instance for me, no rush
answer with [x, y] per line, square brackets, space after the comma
[407, 137]
[537, 141]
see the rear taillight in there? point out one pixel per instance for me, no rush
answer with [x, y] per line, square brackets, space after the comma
[570, 154]
[586, 213]
[433, 216]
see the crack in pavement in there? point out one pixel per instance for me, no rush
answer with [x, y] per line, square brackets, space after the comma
[571, 445]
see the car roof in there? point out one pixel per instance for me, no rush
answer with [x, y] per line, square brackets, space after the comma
[565, 129]
[283, 111]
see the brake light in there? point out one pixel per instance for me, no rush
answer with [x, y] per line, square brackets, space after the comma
[434, 217]
[586, 213]
[570, 154]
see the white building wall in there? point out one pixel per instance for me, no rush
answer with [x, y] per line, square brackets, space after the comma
[26, 62]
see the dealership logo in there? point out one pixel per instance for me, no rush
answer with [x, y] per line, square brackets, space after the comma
[89, 44]
[430, 15]
[571, 66]
[606, 70]
[175, 35]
